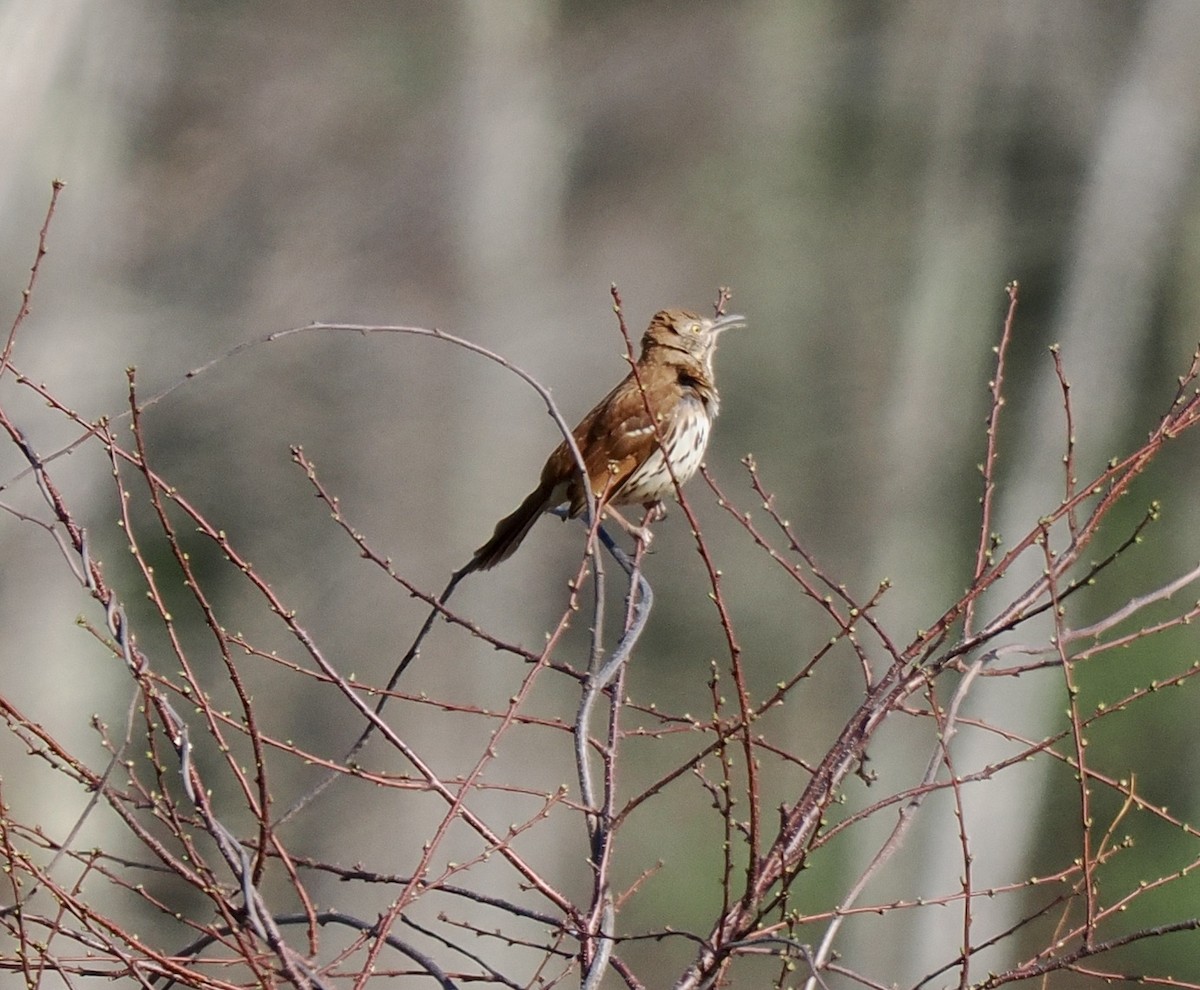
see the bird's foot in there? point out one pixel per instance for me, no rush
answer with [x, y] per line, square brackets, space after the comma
[640, 533]
[655, 512]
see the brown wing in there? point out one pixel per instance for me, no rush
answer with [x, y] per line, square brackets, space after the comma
[615, 438]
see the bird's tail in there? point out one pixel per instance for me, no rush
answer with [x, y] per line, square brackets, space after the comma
[511, 530]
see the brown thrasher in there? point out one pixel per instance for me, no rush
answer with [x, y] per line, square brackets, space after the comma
[620, 446]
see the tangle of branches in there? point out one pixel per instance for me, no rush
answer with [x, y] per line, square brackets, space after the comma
[183, 868]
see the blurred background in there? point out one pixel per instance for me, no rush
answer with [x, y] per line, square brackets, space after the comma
[865, 176]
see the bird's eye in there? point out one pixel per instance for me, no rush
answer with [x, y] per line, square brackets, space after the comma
[694, 328]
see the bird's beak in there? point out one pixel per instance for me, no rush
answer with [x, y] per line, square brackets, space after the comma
[728, 322]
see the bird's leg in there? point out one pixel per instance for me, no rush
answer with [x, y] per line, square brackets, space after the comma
[655, 511]
[640, 533]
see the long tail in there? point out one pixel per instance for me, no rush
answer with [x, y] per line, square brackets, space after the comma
[511, 530]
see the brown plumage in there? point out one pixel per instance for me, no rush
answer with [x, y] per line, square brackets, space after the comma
[617, 438]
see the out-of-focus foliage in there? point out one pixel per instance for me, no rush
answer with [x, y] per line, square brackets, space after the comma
[865, 176]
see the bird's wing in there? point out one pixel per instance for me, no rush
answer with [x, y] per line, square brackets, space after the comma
[621, 437]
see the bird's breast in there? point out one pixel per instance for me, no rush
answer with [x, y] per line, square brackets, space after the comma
[684, 436]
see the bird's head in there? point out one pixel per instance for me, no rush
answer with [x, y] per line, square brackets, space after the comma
[696, 336]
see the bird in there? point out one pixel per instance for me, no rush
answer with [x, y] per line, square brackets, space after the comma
[621, 446]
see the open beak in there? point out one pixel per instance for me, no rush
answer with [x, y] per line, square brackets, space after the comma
[728, 322]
